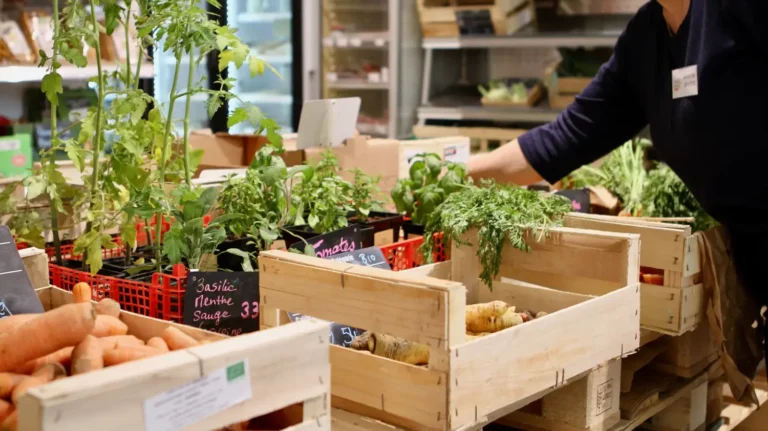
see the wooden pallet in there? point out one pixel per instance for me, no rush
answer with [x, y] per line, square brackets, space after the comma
[443, 18]
[467, 383]
[678, 306]
[288, 370]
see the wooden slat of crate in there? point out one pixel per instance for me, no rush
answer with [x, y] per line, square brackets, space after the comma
[113, 398]
[678, 306]
[441, 21]
[467, 384]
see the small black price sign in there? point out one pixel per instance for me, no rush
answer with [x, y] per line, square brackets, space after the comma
[17, 296]
[579, 199]
[336, 242]
[342, 335]
[223, 302]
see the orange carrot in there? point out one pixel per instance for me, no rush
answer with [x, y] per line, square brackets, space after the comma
[11, 323]
[8, 381]
[128, 354]
[116, 341]
[62, 356]
[88, 356]
[82, 293]
[63, 327]
[11, 422]
[43, 375]
[178, 340]
[158, 343]
[108, 307]
[6, 409]
[653, 279]
[107, 326]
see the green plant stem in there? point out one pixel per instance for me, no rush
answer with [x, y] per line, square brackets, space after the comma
[99, 108]
[164, 154]
[129, 80]
[54, 134]
[190, 77]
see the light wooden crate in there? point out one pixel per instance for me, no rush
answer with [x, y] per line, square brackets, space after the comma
[678, 306]
[287, 366]
[467, 383]
[439, 18]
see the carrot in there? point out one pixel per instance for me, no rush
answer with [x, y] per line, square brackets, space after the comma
[63, 327]
[11, 422]
[82, 292]
[128, 354]
[8, 381]
[11, 323]
[178, 340]
[43, 375]
[107, 326]
[108, 307]
[158, 343]
[62, 356]
[115, 341]
[88, 356]
[6, 409]
[398, 349]
[655, 279]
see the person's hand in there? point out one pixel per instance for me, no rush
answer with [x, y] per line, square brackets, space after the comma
[506, 164]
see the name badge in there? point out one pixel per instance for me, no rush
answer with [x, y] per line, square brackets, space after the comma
[685, 82]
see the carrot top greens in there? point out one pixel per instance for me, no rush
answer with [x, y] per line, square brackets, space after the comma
[502, 215]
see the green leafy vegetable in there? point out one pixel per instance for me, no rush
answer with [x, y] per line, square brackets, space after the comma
[419, 195]
[503, 215]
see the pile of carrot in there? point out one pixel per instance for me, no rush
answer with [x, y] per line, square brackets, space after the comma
[74, 339]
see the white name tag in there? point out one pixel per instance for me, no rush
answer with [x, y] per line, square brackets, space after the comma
[685, 82]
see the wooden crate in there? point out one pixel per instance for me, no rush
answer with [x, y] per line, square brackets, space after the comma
[440, 18]
[678, 306]
[467, 383]
[590, 403]
[286, 366]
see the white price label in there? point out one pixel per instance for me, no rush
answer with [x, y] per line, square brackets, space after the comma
[188, 404]
[374, 77]
[343, 43]
[456, 153]
[10, 145]
[356, 42]
[380, 42]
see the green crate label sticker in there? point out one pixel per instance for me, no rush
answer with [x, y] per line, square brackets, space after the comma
[186, 405]
[235, 371]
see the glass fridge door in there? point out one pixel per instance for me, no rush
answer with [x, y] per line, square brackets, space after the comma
[165, 66]
[265, 25]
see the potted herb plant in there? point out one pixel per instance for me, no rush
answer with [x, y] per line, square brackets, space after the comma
[418, 195]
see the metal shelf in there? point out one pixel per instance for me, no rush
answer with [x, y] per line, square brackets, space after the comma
[483, 113]
[350, 84]
[264, 17]
[585, 32]
[16, 74]
[265, 97]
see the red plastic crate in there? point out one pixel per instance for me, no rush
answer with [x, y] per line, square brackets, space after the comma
[405, 254]
[163, 298]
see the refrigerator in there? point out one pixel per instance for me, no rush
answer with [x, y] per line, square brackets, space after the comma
[273, 31]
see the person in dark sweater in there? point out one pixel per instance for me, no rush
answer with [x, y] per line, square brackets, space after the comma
[695, 70]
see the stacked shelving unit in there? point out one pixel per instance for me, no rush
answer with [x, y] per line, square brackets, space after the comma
[370, 50]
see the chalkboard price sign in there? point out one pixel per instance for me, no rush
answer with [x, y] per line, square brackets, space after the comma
[341, 335]
[371, 256]
[336, 242]
[223, 302]
[17, 296]
[579, 199]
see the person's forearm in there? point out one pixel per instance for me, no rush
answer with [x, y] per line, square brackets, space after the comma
[506, 164]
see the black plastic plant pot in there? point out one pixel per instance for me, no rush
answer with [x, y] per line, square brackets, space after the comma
[382, 222]
[230, 262]
[412, 229]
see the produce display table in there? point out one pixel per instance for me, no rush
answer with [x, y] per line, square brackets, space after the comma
[466, 384]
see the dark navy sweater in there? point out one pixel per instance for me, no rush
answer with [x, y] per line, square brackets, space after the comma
[715, 141]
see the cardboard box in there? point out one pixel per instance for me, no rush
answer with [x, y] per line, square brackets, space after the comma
[389, 158]
[223, 150]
